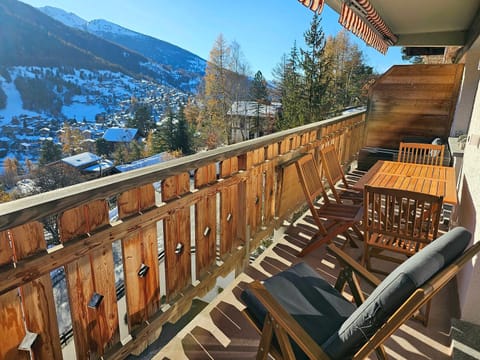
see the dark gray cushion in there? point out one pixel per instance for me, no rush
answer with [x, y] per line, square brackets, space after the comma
[318, 307]
[393, 291]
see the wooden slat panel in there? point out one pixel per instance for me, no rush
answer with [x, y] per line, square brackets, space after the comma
[12, 328]
[254, 198]
[37, 296]
[229, 213]
[142, 292]
[177, 233]
[95, 329]
[269, 207]
[177, 262]
[205, 222]
[412, 101]
[175, 186]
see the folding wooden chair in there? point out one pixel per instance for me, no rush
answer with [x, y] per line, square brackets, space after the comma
[418, 153]
[342, 216]
[300, 315]
[335, 175]
[398, 221]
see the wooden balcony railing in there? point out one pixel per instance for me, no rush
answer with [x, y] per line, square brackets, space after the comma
[207, 213]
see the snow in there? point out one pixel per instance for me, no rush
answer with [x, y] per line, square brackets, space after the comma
[69, 19]
[81, 111]
[152, 160]
[82, 159]
[116, 134]
[14, 102]
[100, 25]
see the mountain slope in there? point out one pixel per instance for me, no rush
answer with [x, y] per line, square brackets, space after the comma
[31, 38]
[180, 61]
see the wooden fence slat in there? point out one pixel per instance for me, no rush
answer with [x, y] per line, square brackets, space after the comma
[95, 329]
[205, 222]
[12, 328]
[37, 296]
[177, 251]
[141, 249]
[177, 237]
[269, 192]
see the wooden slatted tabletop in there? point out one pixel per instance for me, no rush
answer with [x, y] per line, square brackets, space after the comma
[429, 179]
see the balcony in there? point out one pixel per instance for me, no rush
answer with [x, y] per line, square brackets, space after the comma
[135, 250]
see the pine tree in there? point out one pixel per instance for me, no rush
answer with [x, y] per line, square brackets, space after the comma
[184, 134]
[292, 107]
[142, 120]
[317, 101]
[49, 152]
[259, 94]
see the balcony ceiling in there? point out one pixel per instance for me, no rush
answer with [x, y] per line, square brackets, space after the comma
[428, 22]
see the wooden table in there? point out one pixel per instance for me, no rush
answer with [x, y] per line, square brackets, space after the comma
[429, 179]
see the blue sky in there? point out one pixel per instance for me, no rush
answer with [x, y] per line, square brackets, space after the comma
[264, 29]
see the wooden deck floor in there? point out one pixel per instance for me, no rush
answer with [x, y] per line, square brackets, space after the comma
[221, 332]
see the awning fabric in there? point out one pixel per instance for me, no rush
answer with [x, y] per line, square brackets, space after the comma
[314, 5]
[361, 18]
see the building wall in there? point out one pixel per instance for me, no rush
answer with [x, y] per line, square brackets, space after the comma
[469, 193]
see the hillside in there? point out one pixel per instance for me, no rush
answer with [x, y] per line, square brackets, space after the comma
[183, 65]
[31, 38]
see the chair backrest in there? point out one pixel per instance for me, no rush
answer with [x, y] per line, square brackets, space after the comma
[418, 153]
[401, 294]
[311, 182]
[332, 168]
[401, 214]
[331, 164]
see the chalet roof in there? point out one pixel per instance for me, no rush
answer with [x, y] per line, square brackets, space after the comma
[81, 160]
[253, 109]
[138, 164]
[120, 134]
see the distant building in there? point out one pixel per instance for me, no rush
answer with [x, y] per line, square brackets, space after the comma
[251, 119]
[90, 164]
[121, 135]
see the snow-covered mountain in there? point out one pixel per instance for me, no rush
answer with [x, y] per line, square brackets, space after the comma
[160, 51]
[69, 19]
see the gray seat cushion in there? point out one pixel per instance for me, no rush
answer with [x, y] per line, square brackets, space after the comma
[318, 307]
[393, 291]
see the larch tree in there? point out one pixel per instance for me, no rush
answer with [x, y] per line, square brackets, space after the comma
[348, 70]
[217, 98]
[10, 168]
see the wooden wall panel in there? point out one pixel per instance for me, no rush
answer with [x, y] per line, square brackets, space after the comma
[205, 221]
[12, 328]
[95, 330]
[37, 296]
[142, 292]
[177, 236]
[412, 101]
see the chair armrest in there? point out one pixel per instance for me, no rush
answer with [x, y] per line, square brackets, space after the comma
[347, 261]
[287, 322]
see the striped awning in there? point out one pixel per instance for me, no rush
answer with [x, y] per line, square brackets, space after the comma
[361, 18]
[314, 5]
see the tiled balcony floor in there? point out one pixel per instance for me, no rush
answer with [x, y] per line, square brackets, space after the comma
[221, 332]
